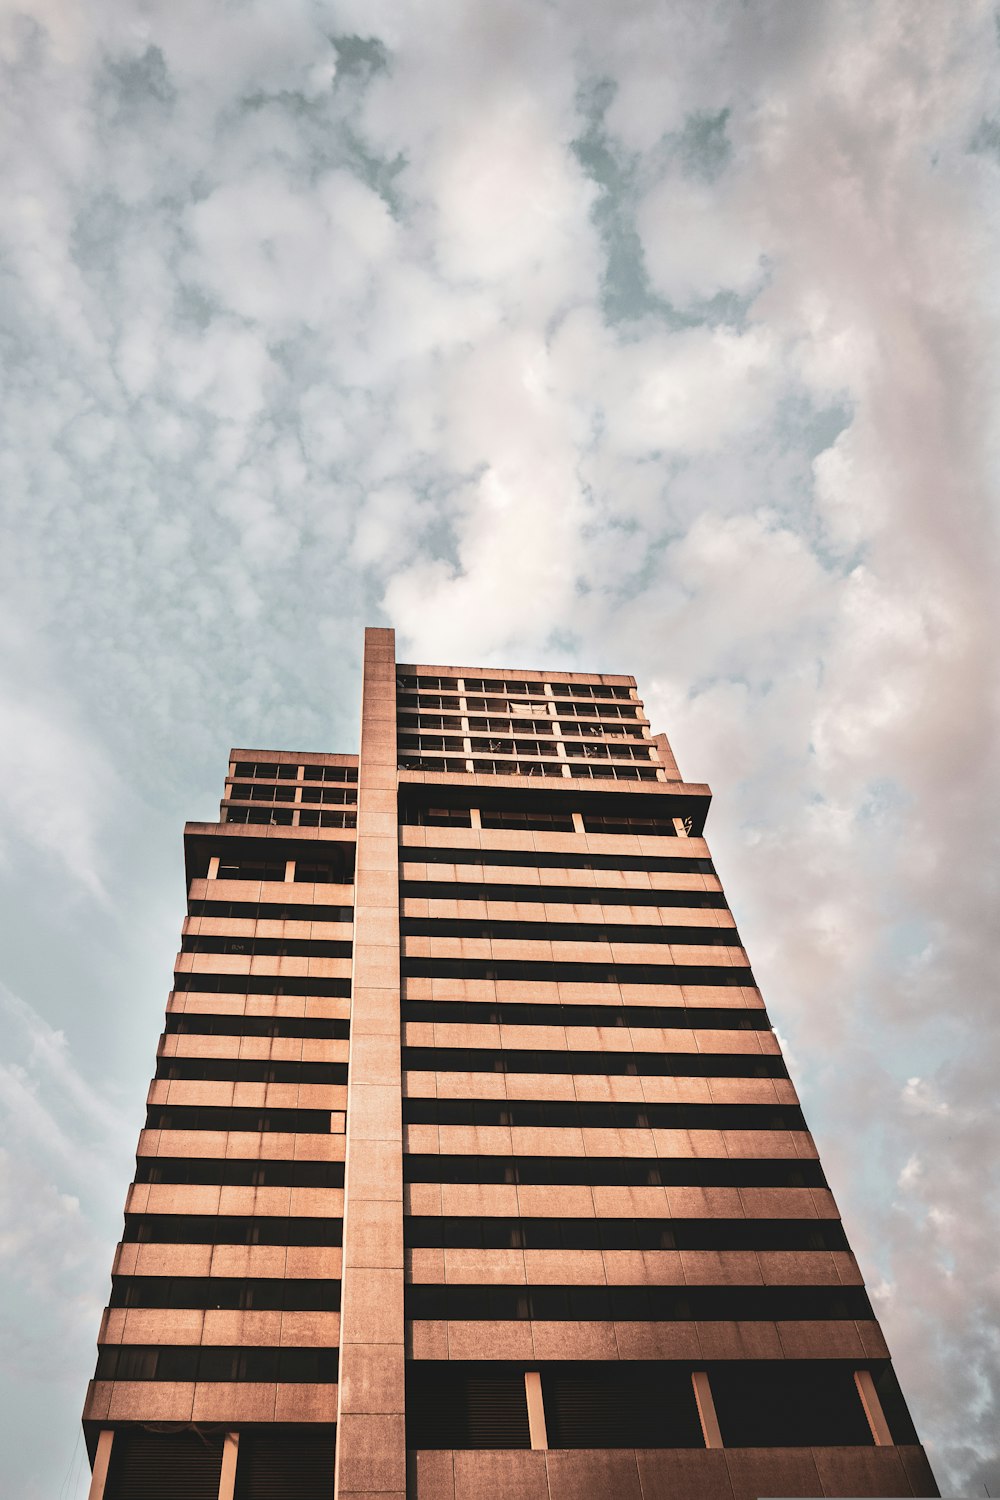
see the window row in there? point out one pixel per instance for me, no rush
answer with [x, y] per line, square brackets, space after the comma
[242, 1118]
[280, 819]
[271, 771]
[500, 930]
[617, 1171]
[201, 1363]
[241, 791]
[548, 895]
[260, 984]
[249, 1070]
[618, 1064]
[759, 1404]
[271, 911]
[488, 1233]
[569, 860]
[230, 1171]
[601, 1115]
[635, 1304]
[179, 1023]
[514, 1013]
[248, 947]
[305, 871]
[510, 686]
[274, 1463]
[555, 973]
[228, 1229]
[266, 1294]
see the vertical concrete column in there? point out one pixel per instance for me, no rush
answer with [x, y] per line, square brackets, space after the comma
[536, 1409]
[213, 867]
[102, 1460]
[371, 1439]
[227, 1476]
[706, 1409]
[873, 1408]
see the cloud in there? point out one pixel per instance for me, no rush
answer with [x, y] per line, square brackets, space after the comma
[657, 338]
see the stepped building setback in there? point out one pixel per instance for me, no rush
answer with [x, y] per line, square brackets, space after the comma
[471, 1165]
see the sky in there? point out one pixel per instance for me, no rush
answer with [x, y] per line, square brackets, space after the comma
[651, 337]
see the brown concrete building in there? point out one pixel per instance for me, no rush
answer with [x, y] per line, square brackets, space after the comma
[472, 1166]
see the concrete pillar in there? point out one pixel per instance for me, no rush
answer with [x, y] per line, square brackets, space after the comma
[873, 1408]
[578, 823]
[227, 1478]
[475, 818]
[290, 870]
[536, 1409]
[371, 1435]
[102, 1461]
[213, 867]
[706, 1409]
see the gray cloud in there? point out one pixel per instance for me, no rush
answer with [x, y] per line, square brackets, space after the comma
[657, 340]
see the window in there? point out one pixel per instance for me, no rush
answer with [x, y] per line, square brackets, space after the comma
[228, 1229]
[204, 1363]
[489, 1233]
[249, 1070]
[540, 821]
[593, 973]
[229, 1171]
[616, 1171]
[520, 1013]
[622, 1064]
[275, 1294]
[535, 859]
[435, 817]
[462, 1406]
[220, 1117]
[789, 1404]
[285, 1464]
[620, 1406]
[182, 1023]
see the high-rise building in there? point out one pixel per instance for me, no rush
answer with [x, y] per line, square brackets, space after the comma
[472, 1166]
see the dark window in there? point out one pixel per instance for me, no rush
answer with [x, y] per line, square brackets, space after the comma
[250, 1070]
[634, 1064]
[457, 1302]
[250, 869]
[323, 873]
[163, 1465]
[279, 911]
[463, 1407]
[286, 1464]
[566, 932]
[595, 973]
[259, 984]
[267, 947]
[221, 1117]
[789, 1404]
[616, 823]
[641, 1017]
[620, 1406]
[558, 895]
[624, 1234]
[644, 1171]
[229, 1229]
[417, 816]
[540, 822]
[231, 1172]
[557, 1113]
[278, 1293]
[202, 1363]
[330, 773]
[191, 1023]
[534, 859]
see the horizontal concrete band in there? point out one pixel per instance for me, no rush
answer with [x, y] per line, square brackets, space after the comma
[652, 1474]
[691, 1341]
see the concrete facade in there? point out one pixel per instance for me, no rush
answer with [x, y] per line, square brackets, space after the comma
[471, 1162]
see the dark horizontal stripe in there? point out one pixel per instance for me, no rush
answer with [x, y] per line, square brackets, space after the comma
[537, 860]
[236, 1117]
[259, 984]
[261, 947]
[274, 1294]
[194, 1362]
[249, 1070]
[271, 911]
[229, 1229]
[673, 1171]
[513, 1013]
[560, 1113]
[629, 1064]
[636, 1304]
[487, 1233]
[565, 932]
[600, 972]
[556, 895]
[230, 1172]
[193, 1023]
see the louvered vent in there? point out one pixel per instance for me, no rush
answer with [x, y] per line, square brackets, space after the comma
[293, 1464]
[620, 1407]
[448, 1408]
[164, 1466]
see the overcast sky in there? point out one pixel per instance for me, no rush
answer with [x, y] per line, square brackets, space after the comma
[633, 336]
